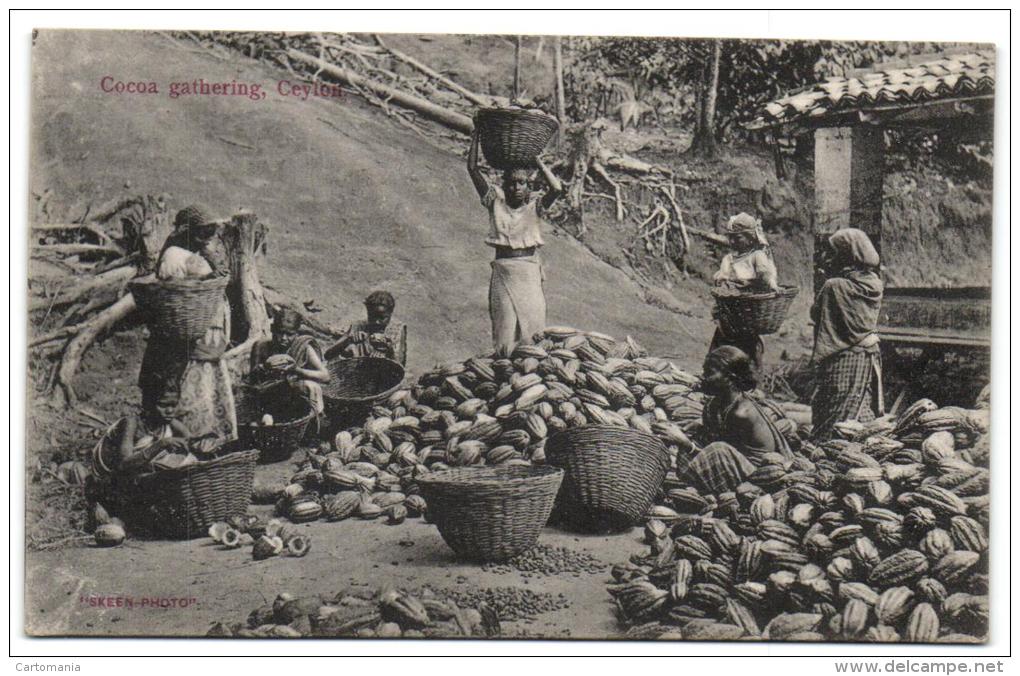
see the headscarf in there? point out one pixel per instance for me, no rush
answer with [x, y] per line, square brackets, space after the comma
[847, 307]
[853, 247]
[746, 223]
[736, 364]
[383, 298]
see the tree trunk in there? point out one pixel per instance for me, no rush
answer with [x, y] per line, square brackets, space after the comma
[561, 102]
[244, 237]
[704, 134]
[517, 66]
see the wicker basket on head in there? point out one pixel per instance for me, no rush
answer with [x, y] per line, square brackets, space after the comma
[491, 513]
[183, 503]
[611, 475]
[181, 309]
[756, 314]
[513, 137]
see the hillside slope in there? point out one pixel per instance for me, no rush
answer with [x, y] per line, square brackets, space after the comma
[354, 200]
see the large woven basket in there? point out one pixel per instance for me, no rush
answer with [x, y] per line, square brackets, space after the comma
[362, 380]
[181, 309]
[276, 442]
[491, 513]
[752, 313]
[513, 137]
[611, 475]
[183, 503]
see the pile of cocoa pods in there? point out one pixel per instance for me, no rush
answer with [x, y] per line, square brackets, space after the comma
[386, 613]
[880, 535]
[489, 411]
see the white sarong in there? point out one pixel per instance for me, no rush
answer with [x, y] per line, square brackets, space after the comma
[516, 301]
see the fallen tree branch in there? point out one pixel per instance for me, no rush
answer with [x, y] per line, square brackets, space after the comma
[64, 227]
[461, 123]
[116, 278]
[77, 249]
[477, 99]
[85, 337]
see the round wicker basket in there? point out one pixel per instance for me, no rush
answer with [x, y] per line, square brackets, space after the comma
[183, 503]
[752, 313]
[513, 137]
[491, 513]
[180, 309]
[611, 475]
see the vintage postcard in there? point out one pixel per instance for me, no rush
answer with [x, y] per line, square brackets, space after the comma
[508, 337]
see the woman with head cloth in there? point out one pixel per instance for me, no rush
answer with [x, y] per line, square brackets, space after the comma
[739, 429]
[191, 379]
[846, 357]
[748, 267]
[516, 293]
[377, 336]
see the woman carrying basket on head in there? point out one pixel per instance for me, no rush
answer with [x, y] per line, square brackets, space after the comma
[192, 376]
[749, 268]
[846, 356]
[516, 296]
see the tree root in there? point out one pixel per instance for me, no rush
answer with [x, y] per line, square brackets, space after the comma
[87, 334]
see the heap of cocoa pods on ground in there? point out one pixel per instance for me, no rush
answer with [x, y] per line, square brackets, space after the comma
[386, 613]
[494, 411]
[877, 536]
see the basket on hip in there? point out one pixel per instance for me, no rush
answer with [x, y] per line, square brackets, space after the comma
[183, 503]
[513, 137]
[181, 309]
[611, 475]
[491, 513]
[752, 313]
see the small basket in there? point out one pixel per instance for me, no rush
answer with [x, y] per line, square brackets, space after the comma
[491, 513]
[611, 475]
[180, 309]
[274, 442]
[756, 314]
[513, 137]
[183, 503]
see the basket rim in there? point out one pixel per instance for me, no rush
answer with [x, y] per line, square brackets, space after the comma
[604, 427]
[151, 280]
[291, 423]
[536, 113]
[784, 292]
[372, 397]
[202, 465]
[461, 475]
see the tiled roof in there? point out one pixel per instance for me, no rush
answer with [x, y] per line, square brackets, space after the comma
[959, 76]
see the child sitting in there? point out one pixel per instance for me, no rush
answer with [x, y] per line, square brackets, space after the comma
[304, 368]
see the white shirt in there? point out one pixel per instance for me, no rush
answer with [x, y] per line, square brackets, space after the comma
[518, 228]
[743, 270]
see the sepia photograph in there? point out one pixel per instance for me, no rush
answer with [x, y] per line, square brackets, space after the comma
[377, 335]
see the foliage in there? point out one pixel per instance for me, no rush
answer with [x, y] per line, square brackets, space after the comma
[666, 72]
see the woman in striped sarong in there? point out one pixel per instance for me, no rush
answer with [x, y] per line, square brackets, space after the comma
[846, 357]
[740, 429]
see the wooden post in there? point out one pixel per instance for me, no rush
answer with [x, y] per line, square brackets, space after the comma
[849, 168]
[517, 66]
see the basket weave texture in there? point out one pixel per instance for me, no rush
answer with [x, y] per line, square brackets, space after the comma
[183, 503]
[361, 380]
[276, 442]
[753, 313]
[513, 137]
[491, 513]
[180, 309]
[611, 475]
